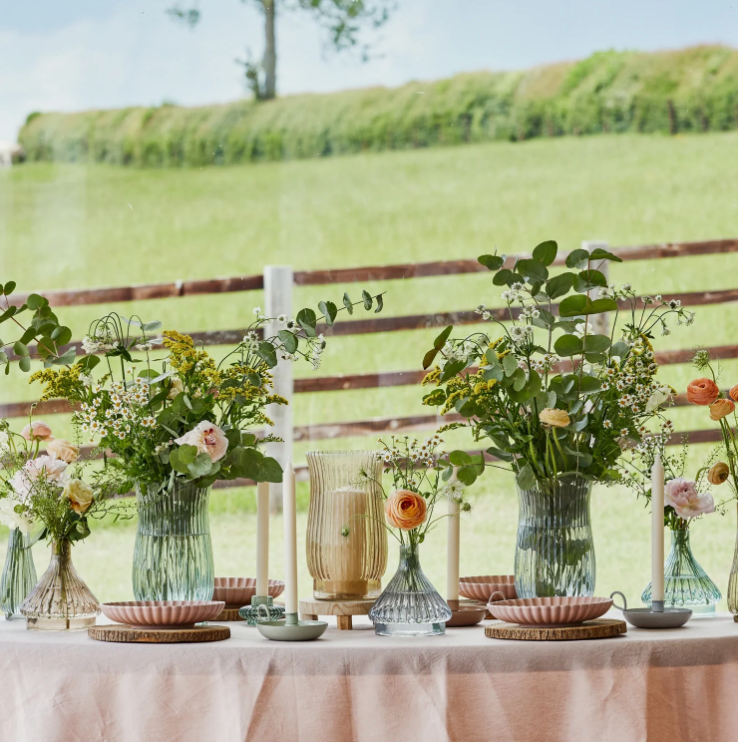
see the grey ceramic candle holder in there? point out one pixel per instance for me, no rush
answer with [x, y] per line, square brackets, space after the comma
[292, 629]
[648, 618]
[262, 608]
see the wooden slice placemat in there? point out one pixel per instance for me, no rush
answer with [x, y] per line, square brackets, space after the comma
[136, 634]
[600, 628]
[229, 614]
[342, 609]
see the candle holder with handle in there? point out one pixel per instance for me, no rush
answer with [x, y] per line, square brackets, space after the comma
[652, 618]
[262, 609]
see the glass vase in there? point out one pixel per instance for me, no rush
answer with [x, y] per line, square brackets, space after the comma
[346, 538]
[410, 605]
[173, 553]
[19, 573]
[61, 601]
[554, 552]
[686, 584]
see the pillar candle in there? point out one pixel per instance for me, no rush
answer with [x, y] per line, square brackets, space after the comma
[289, 512]
[262, 539]
[657, 530]
[454, 536]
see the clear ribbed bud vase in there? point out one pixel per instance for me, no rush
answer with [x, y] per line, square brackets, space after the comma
[686, 584]
[61, 601]
[410, 605]
[173, 554]
[554, 553]
[346, 539]
[19, 573]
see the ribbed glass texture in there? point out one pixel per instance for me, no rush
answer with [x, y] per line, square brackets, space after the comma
[733, 582]
[19, 573]
[61, 601]
[686, 584]
[554, 553]
[346, 566]
[410, 605]
[173, 554]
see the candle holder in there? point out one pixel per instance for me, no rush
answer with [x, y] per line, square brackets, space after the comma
[262, 609]
[465, 613]
[653, 617]
[291, 629]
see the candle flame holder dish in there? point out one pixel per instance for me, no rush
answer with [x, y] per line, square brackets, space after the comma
[653, 618]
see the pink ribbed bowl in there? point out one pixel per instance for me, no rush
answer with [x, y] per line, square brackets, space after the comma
[551, 611]
[238, 591]
[163, 613]
[485, 586]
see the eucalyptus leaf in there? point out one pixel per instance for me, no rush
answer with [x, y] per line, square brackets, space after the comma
[200, 466]
[367, 300]
[568, 345]
[596, 343]
[599, 254]
[24, 364]
[289, 340]
[348, 304]
[267, 353]
[545, 253]
[492, 262]
[532, 270]
[329, 310]
[459, 458]
[577, 258]
[525, 478]
[559, 285]
[510, 364]
[467, 475]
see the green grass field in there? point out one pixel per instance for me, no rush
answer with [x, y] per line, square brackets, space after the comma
[78, 226]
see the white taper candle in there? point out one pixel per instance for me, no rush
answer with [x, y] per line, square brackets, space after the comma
[454, 539]
[289, 512]
[262, 539]
[657, 532]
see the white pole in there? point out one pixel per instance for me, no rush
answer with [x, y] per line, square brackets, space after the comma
[278, 282]
[600, 322]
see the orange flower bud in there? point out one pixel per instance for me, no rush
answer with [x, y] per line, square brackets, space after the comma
[405, 510]
[734, 393]
[702, 391]
[720, 408]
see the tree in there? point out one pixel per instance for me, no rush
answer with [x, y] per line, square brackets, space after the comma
[343, 22]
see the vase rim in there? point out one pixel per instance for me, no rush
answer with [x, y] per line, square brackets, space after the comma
[348, 451]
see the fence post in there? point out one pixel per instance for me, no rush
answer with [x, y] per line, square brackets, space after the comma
[278, 282]
[600, 322]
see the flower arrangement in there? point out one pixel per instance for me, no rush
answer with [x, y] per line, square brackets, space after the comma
[48, 487]
[181, 416]
[551, 395]
[420, 479]
[683, 499]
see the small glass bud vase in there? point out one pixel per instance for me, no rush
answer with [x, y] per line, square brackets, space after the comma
[61, 601]
[19, 573]
[686, 584]
[410, 605]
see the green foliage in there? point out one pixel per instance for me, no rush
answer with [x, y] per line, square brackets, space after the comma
[693, 89]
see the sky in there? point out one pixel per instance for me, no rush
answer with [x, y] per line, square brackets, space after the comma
[79, 54]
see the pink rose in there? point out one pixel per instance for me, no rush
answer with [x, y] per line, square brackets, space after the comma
[43, 468]
[206, 438]
[38, 431]
[682, 495]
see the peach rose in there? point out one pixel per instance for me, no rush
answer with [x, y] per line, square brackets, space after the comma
[206, 438]
[720, 408]
[176, 388]
[62, 449]
[38, 431]
[718, 473]
[405, 510]
[553, 418]
[702, 391]
[734, 393]
[79, 493]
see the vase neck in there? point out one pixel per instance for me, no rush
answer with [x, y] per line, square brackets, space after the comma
[409, 554]
[680, 538]
[61, 549]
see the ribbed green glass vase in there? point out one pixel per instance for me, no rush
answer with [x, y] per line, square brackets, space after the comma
[173, 554]
[19, 573]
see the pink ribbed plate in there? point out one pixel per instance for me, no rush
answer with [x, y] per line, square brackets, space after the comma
[163, 613]
[485, 586]
[239, 590]
[550, 612]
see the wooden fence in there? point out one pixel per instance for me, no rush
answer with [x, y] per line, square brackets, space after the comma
[277, 283]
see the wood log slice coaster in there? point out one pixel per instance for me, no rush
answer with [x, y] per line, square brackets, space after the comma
[600, 628]
[230, 613]
[140, 635]
[344, 610]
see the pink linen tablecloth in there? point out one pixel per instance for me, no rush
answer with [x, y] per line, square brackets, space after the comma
[678, 685]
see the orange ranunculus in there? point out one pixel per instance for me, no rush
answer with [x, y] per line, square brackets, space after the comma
[702, 391]
[734, 393]
[720, 408]
[405, 510]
